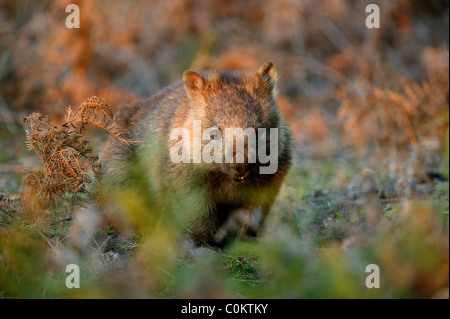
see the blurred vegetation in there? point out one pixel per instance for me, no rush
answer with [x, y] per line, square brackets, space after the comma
[368, 109]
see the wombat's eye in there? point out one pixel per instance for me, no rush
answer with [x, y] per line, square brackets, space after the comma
[215, 134]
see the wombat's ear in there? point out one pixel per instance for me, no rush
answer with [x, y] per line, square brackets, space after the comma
[269, 76]
[194, 83]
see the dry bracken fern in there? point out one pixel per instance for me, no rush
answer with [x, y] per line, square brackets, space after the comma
[395, 117]
[65, 155]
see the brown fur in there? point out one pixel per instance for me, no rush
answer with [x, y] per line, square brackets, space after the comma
[217, 206]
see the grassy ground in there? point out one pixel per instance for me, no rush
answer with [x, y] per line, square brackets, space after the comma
[331, 220]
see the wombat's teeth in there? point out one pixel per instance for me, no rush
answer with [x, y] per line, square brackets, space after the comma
[239, 179]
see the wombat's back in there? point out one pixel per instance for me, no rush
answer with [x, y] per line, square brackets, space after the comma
[152, 116]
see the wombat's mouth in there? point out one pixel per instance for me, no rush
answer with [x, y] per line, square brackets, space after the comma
[239, 179]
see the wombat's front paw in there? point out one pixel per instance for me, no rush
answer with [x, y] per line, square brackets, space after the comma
[242, 222]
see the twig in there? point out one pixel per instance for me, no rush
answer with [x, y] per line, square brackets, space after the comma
[64, 219]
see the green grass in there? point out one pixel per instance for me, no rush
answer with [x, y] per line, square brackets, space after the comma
[316, 244]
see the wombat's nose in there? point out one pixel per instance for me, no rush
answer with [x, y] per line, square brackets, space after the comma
[240, 169]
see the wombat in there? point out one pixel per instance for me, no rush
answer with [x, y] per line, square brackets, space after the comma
[222, 199]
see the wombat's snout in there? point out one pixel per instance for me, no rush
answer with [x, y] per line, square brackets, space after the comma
[239, 171]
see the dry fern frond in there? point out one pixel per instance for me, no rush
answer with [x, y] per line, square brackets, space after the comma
[65, 155]
[395, 117]
[95, 111]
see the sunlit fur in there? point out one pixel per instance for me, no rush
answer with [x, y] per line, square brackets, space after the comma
[206, 193]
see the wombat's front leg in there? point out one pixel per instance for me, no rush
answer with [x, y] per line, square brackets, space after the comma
[241, 222]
